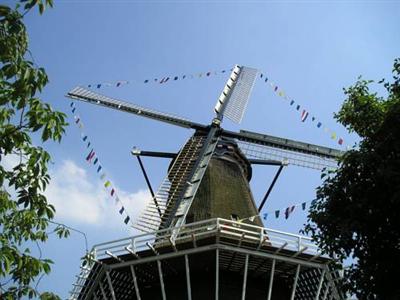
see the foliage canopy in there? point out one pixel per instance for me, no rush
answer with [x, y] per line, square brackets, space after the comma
[356, 213]
[24, 210]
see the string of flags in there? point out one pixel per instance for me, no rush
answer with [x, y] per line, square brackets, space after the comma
[284, 212]
[94, 160]
[158, 80]
[304, 113]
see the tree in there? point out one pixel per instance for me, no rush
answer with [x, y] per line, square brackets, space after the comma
[356, 213]
[24, 118]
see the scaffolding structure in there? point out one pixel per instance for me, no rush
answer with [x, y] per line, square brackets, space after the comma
[240, 259]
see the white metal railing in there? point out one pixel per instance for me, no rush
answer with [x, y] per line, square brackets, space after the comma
[230, 230]
[226, 231]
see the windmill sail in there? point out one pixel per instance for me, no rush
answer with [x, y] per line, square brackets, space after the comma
[82, 94]
[233, 100]
[240, 96]
[255, 151]
[261, 146]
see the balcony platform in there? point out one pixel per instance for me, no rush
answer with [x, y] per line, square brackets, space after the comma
[214, 258]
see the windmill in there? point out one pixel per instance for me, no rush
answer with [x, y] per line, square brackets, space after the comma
[204, 194]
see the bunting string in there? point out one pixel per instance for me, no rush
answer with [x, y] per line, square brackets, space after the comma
[303, 112]
[93, 159]
[157, 80]
[283, 212]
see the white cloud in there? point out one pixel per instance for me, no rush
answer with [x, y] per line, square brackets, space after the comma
[79, 200]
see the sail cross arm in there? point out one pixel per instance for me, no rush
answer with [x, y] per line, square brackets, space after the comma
[85, 95]
[285, 144]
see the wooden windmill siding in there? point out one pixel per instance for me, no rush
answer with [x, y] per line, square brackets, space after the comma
[225, 191]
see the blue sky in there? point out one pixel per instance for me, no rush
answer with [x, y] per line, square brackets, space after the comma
[310, 49]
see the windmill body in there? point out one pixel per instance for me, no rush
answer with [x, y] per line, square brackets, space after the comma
[203, 238]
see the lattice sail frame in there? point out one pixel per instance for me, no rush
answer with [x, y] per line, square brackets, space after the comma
[241, 94]
[256, 151]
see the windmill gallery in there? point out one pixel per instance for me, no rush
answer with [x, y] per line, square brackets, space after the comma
[202, 236]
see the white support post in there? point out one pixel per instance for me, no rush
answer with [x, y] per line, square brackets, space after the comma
[135, 282]
[102, 291]
[110, 285]
[246, 266]
[321, 280]
[296, 277]
[326, 291]
[189, 290]
[216, 274]
[161, 280]
[271, 280]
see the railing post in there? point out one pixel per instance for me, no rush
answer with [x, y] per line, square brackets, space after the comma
[133, 243]
[299, 243]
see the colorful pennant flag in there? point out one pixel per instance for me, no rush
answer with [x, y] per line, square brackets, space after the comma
[288, 211]
[304, 115]
[303, 205]
[265, 216]
[90, 155]
[277, 214]
[89, 158]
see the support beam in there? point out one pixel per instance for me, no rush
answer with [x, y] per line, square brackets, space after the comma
[253, 161]
[221, 247]
[138, 153]
[296, 277]
[270, 188]
[326, 291]
[110, 286]
[267, 162]
[271, 280]
[160, 274]
[189, 290]
[135, 282]
[246, 267]
[321, 280]
[103, 293]
[149, 185]
[216, 274]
